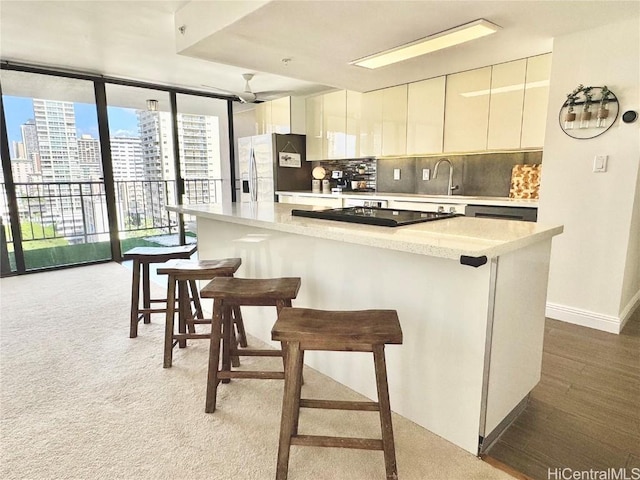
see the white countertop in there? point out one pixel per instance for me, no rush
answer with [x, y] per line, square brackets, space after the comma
[447, 238]
[413, 197]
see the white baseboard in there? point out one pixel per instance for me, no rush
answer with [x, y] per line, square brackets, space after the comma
[606, 323]
[631, 307]
[585, 318]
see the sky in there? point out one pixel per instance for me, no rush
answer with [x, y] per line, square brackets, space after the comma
[122, 121]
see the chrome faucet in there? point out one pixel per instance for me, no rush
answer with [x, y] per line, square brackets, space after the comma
[450, 186]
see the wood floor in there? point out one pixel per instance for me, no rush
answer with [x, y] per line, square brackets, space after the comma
[585, 412]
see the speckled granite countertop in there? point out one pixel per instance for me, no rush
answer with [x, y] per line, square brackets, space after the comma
[449, 238]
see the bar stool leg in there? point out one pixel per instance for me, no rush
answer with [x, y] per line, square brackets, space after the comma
[135, 299]
[385, 413]
[195, 298]
[183, 305]
[237, 320]
[146, 291]
[289, 405]
[169, 327]
[299, 367]
[214, 357]
[227, 333]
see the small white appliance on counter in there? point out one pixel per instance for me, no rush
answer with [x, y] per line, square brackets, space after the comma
[272, 162]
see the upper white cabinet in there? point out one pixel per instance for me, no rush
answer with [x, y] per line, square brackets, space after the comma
[274, 116]
[492, 108]
[425, 116]
[394, 120]
[371, 124]
[536, 96]
[334, 124]
[315, 133]
[505, 105]
[353, 122]
[467, 110]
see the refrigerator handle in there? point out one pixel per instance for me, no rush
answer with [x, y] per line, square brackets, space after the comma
[253, 177]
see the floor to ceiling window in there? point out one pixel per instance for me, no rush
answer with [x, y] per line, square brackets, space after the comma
[143, 163]
[163, 147]
[52, 131]
[203, 132]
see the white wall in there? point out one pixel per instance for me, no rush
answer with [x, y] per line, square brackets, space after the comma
[595, 263]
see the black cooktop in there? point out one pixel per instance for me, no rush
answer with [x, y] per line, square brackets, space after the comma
[386, 217]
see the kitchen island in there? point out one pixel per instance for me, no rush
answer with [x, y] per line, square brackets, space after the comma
[470, 294]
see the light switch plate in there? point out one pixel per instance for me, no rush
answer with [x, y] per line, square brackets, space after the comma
[600, 163]
[396, 174]
[426, 174]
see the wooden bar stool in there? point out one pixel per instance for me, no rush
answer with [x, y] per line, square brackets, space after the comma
[228, 293]
[143, 257]
[301, 329]
[181, 274]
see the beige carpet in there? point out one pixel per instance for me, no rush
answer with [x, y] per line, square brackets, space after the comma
[80, 400]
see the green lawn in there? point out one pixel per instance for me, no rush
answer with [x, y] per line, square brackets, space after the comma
[55, 252]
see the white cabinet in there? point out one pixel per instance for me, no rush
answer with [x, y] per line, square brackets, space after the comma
[425, 116]
[353, 121]
[314, 131]
[467, 110]
[273, 116]
[334, 125]
[394, 120]
[371, 124]
[383, 122]
[492, 108]
[536, 96]
[428, 206]
[280, 115]
[505, 105]
[333, 202]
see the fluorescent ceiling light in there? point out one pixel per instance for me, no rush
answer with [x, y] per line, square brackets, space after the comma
[446, 39]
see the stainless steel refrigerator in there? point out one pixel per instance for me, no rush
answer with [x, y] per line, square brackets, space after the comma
[270, 163]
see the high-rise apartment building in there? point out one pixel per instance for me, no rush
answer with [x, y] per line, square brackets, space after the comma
[89, 160]
[127, 158]
[56, 132]
[199, 155]
[30, 141]
[157, 145]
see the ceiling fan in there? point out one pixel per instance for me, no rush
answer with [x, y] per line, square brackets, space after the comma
[248, 96]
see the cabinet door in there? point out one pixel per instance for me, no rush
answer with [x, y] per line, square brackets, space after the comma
[314, 127]
[425, 116]
[467, 110]
[354, 109]
[505, 104]
[333, 202]
[263, 118]
[371, 124]
[394, 120]
[280, 115]
[334, 120]
[536, 97]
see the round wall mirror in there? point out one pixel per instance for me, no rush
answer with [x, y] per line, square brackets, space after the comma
[588, 112]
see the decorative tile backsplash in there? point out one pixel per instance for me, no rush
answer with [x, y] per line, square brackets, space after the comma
[486, 174]
[361, 170]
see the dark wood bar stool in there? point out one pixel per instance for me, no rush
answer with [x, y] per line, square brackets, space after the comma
[301, 329]
[143, 257]
[183, 273]
[228, 293]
